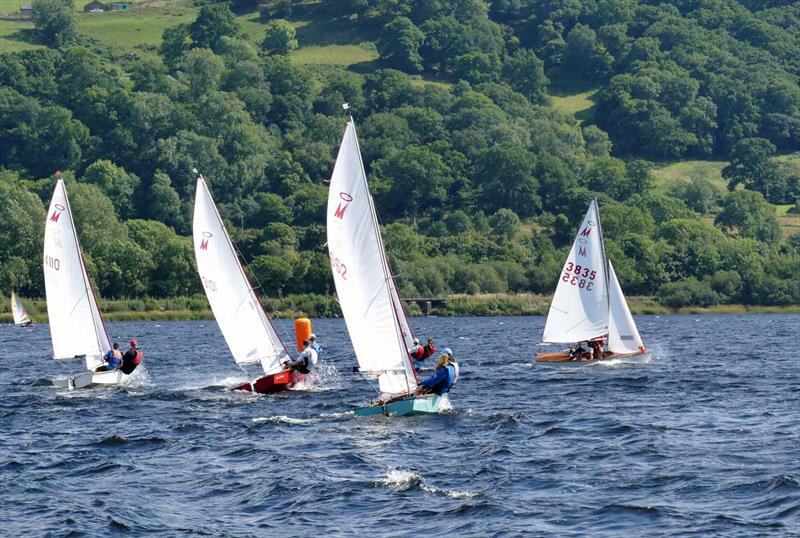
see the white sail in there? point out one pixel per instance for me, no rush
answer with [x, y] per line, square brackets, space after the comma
[361, 273]
[623, 337]
[76, 327]
[579, 310]
[247, 330]
[18, 310]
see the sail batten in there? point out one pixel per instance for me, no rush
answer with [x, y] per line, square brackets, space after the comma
[76, 327]
[582, 291]
[370, 304]
[247, 330]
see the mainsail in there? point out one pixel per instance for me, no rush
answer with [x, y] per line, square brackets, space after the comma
[364, 284]
[76, 328]
[18, 310]
[623, 337]
[579, 310]
[247, 330]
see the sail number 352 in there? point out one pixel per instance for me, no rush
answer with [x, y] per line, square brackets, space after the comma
[576, 275]
[52, 263]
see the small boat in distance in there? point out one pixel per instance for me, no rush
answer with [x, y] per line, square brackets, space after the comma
[21, 317]
[588, 303]
[249, 333]
[76, 327]
[370, 303]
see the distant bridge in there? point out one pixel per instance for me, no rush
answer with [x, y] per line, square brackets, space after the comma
[427, 303]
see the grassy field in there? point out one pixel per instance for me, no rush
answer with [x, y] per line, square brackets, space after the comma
[579, 105]
[667, 175]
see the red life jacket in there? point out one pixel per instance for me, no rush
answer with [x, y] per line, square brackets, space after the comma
[137, 360]
[429, 351]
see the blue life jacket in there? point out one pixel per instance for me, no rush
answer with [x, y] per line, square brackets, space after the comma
[113, 361]
[317, 348]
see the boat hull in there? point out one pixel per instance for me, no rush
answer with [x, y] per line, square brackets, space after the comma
[417, 405]
[562, 356]
[90, 379]
[270, 383]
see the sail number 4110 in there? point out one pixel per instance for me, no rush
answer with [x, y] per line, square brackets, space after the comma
[577, 275]
[52, 263]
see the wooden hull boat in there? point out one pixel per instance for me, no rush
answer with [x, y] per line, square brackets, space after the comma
[563, 356]
[421, 404]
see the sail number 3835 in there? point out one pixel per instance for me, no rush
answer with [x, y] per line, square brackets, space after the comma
[576, 275]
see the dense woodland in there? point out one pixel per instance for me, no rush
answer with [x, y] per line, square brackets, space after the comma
[479, 182]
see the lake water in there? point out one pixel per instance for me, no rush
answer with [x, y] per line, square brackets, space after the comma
[702, 440]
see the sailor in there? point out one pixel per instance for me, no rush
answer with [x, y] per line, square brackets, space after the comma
[576, 353]
[306, 361]
[312, 338]
[417, 353]
[596, 345]
[429, 349]
[132, 358]
[445, 376]
[113, 359]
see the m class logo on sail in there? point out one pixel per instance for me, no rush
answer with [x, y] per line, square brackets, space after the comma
[204, 241]
[342, 207]
[57, 213]
[582, 237]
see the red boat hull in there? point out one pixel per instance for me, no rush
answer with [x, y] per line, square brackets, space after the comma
[269, 383]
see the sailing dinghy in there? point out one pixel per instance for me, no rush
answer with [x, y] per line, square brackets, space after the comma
[249, 333]
[370, 303]
[76, 327]
[21, 317]
[588, 302]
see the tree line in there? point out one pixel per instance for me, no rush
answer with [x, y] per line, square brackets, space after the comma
[479, 182]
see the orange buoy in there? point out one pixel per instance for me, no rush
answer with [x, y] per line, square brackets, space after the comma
[302, 328]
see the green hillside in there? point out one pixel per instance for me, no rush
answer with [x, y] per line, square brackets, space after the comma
[485, 129]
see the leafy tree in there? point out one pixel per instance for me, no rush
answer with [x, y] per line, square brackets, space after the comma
[54, 21]
[174, 42]
[751, 165]
[163, 202]
[202, 70]
[116, 183]
[22, 218]
[273, 273]
[504, 174]
[525, 73]
[748, 214]
[399, 45]
[214, 22]
[279, 37]
[505, 223]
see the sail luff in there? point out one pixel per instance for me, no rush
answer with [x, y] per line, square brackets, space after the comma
[247, 330]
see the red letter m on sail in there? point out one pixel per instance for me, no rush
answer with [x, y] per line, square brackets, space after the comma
[586, 231]
[55, 215]
[204, 244]
[340, 209]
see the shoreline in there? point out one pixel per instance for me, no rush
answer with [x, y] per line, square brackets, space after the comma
[501, 304]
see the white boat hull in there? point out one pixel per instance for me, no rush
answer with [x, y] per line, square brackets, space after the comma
[87, 379]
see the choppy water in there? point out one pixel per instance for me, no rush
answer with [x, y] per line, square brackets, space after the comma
[702, 440]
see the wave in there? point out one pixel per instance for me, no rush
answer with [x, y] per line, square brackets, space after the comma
[283, 419]
[404, 479]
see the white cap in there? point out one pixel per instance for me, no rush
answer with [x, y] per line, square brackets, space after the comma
[312, 336]
[416, 340]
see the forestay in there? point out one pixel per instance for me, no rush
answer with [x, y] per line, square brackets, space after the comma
[247, 330]
[18, 310]
[579, 310]
[623, 337]
[364, 285]
[76, 327]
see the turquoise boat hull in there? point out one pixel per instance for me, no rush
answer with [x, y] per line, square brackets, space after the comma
[420, 405]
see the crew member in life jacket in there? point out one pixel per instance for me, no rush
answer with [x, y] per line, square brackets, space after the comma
[132, 358]
[596, 346]
[420, 353]
[312, 338]
[445, 376]
[113, 359]
[306, 361]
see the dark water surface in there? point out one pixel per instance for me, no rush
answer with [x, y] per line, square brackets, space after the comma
[703, 440]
